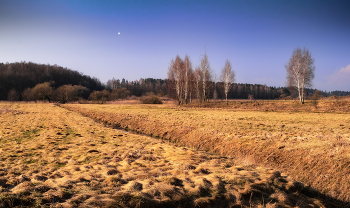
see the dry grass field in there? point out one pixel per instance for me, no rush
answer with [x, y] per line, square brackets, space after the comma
[338, 104]
[52, 157]
[312, 147]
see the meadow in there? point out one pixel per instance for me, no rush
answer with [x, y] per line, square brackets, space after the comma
[76, 155]
[310, 146]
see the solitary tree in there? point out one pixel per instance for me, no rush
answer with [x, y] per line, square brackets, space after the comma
[227, 77]
[300, 71]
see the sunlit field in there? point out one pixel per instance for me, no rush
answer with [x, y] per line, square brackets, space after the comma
[312, 147]
[54, 157]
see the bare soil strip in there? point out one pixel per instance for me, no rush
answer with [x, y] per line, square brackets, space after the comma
[311, 147]
[57, 158]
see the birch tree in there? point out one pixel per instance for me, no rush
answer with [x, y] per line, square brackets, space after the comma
[206, 76]
[197, 77]
[227, 77]
[187, 73]
[175, 75]
[191, 85]
[300, 71]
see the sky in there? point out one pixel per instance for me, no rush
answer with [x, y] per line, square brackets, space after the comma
[138, 39]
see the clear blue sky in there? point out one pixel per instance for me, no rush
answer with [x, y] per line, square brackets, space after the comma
[258, 37]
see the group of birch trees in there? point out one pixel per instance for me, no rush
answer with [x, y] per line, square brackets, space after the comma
[180, 77]
[188, 83]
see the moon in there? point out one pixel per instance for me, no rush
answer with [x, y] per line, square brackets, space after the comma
[118, 33]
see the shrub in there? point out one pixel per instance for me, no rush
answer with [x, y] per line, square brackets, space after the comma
[13, 95]
[42, 91]
[119, 94]
[27, 94]
[99, 96]
[151, 99]
[69, 93]
[315, 97]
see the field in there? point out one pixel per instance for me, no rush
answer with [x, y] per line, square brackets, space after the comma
[54, 156]
[312, 147]
[334, 105]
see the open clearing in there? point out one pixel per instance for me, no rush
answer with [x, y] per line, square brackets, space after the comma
[53, 157]
[312, 147]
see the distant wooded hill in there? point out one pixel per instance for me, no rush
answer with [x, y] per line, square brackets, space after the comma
[20, 76]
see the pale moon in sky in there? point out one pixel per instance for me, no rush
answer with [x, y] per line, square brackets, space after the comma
[118, 33]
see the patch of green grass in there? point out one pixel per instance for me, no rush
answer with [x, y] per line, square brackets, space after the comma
[60, 165]
[7, 200]
[29, 133]
[69, 133]
[241, 182]
[30, 161]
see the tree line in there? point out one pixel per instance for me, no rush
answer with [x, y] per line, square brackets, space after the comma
[163, 87]
[34, 82]
[202, 83]
[139, 87]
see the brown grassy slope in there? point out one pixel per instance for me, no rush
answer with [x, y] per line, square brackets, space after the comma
[311, 147]
[52, 157]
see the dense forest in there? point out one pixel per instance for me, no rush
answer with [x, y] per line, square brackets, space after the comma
[30, 81]
[22, 75]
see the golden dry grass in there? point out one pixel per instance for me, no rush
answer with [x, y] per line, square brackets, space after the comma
[54, 157]
[312, 147]
[341, 104]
